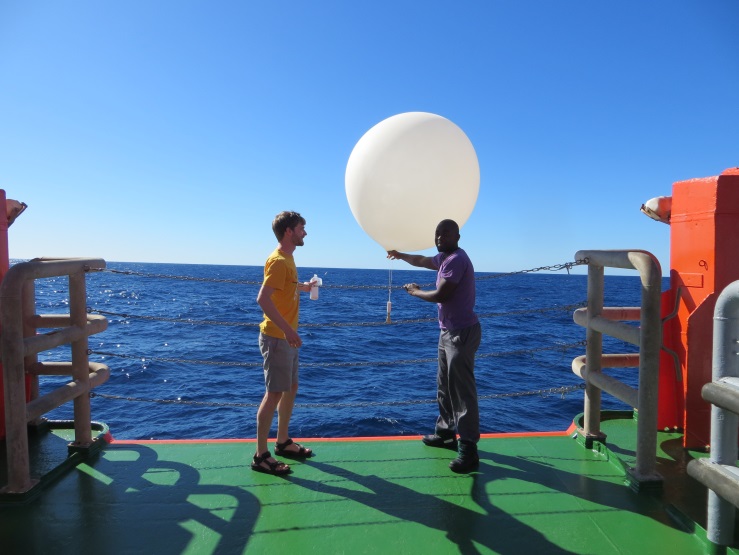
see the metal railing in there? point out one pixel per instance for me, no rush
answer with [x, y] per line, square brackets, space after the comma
[719, 472]
[598, 320]
[20, 347]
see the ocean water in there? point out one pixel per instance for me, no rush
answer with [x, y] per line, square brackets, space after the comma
[182, 349]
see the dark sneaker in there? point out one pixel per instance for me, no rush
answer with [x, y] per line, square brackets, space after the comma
[440, 441]
[467, 460]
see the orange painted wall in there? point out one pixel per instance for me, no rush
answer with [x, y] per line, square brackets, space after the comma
[704, 258]
[4, 265]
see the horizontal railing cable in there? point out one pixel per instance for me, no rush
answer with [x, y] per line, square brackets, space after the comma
[552, 268]
[182, 278]
[562, 347]
[191, 321]
[561, 391]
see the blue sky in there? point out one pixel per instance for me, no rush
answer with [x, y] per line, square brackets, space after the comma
[174, 131]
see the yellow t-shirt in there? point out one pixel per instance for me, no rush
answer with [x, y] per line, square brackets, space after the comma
[281, 275]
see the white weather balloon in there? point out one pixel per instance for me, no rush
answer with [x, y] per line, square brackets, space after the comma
[408, 173]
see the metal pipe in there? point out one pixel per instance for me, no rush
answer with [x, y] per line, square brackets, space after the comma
[607, 383]
[649, 347]
[724, 423]
[724, 480]
[593, 352]
[63, 336]
[16, 439]
[28, 298]
[609, 322]
[626, 360]
[619, 330]
[68, 392]
[50, 369]
[620, 313]
[49, 321]
[44, 268]
[723, 393]
[80, 368]
[61, 368]
[609, 258]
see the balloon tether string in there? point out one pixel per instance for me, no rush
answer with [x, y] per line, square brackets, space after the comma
[389, 290]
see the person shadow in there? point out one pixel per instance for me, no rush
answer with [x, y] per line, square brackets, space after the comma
[491, 528]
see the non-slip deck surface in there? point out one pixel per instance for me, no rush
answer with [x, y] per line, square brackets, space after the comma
[532, 494]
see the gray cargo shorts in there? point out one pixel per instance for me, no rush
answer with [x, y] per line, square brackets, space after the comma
[280, 363]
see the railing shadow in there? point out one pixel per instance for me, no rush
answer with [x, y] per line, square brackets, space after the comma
[116, 505]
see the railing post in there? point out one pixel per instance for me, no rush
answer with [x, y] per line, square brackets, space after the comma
[17, 313]
[16, 438]
[650, 341]
[80, 364]
[28, 298]
[593, 354]
[724, 423]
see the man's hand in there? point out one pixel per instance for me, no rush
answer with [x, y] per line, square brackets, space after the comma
[411, 288]
[293, 339]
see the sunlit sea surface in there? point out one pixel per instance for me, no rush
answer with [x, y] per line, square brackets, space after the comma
[182, 349]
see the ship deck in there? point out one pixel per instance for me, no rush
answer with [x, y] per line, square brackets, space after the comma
[533, 493]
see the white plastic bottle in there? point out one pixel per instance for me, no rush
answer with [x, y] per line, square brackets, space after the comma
[315, 283]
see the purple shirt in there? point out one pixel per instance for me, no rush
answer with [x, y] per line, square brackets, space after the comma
[458, 312]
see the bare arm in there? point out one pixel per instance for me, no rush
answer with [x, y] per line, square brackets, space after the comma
[417, 260]
[439, 295]
[264, 299]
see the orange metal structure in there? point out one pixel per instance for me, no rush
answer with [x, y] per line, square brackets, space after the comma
[704, 259]
[4, 265]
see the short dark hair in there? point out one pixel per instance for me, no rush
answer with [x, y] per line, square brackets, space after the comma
[284, 221]
[449, 223]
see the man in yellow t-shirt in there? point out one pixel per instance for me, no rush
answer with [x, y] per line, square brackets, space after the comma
[279, 343]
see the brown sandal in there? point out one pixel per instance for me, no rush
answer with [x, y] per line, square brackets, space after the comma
[277, 468]
[301, 453]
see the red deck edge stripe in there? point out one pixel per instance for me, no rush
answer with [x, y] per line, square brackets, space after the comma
[566, 432]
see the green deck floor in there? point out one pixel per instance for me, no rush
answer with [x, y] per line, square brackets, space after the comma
[534, 494]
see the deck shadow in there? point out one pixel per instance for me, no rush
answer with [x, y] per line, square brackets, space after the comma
[133, 501]
[600, 490]
[462, 526]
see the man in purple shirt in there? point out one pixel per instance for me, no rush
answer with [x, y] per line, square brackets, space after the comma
[459, 339]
